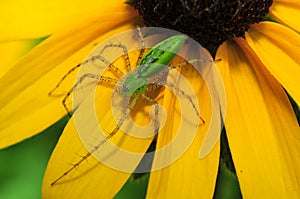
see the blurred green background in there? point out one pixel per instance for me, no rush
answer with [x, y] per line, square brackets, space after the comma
[22, 166]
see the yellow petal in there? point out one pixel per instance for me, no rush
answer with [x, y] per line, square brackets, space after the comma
[278, 49]
[33, 19]
[287, 12]
[189, 176]
[26, 108]
[262, 130]
[12, 51]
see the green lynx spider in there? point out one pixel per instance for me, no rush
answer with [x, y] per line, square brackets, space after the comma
[154, 64]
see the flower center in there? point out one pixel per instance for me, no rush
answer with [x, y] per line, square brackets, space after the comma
[210, 22]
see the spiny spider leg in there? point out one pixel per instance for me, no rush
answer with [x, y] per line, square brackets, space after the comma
[152, 87]
[111, 66]
[143, 47]
[162, 73]
[171, 85]
[110, 135]
[64, 77]
[181, 91]
[125, 51]
[156, 122]
[91, 59]
[81, 79]
[191, 62]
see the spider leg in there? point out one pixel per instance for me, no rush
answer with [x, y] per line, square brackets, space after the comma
[156, 122]
[91, 59]
[81, 79]
[110, 135]
[142, 49]
[173, 86]
[125, 51]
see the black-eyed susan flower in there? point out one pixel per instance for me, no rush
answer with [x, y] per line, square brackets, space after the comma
[259, 65]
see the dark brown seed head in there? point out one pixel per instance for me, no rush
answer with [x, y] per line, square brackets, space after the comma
[210, 22]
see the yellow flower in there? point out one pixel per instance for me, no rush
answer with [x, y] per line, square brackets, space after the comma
[261, 127]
